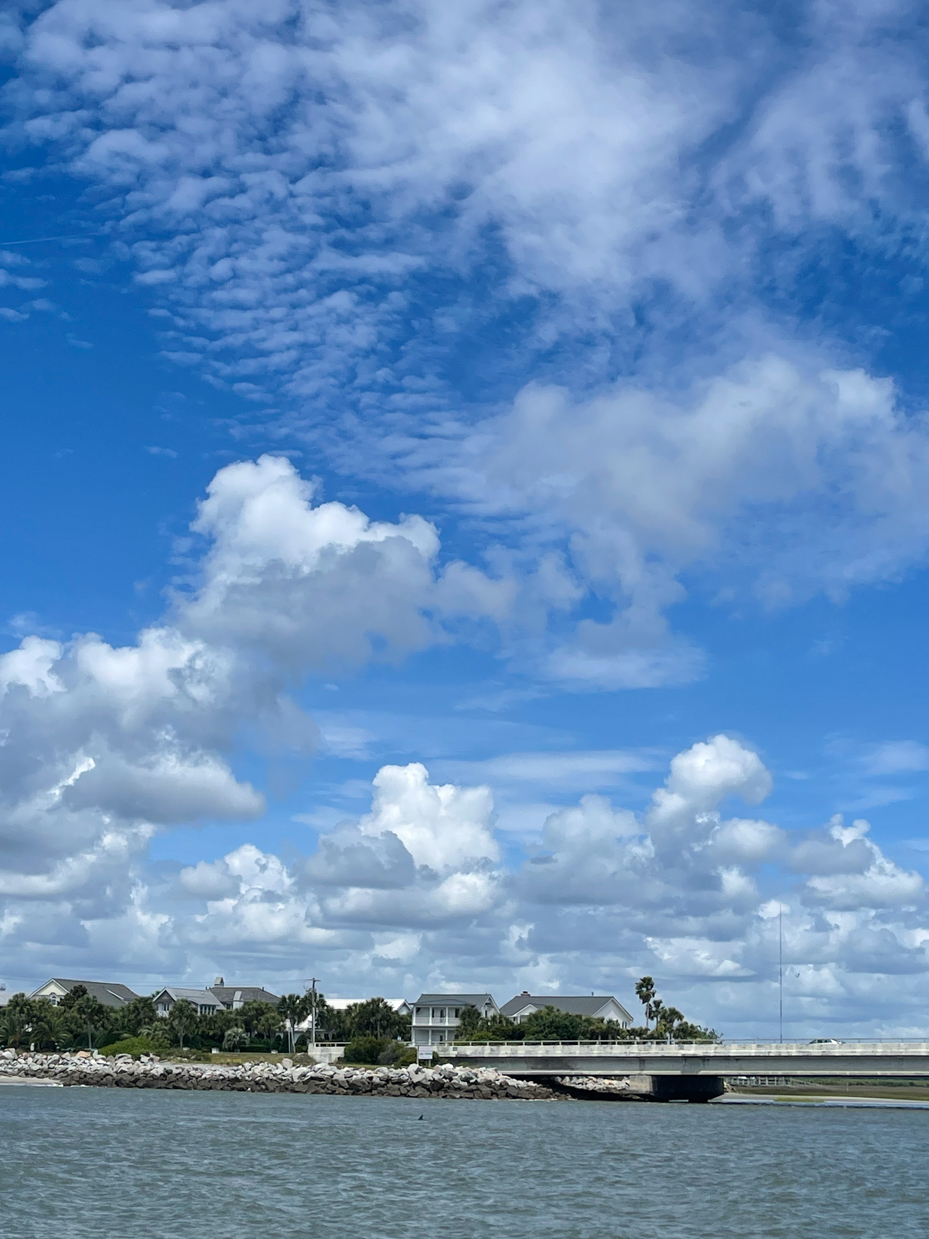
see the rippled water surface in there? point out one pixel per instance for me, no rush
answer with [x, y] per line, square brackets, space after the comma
[105, 1164]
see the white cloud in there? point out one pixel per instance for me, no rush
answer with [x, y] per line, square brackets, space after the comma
[586, 161]
[777, 480]
[441, 827]
[876, 883]
[570, 771]
[895, 757]
[102, 746]
[296, 581]
[416, 893]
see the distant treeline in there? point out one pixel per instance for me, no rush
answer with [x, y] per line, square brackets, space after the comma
[79, 1021]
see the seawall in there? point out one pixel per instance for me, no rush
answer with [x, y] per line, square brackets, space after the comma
[121, 1071]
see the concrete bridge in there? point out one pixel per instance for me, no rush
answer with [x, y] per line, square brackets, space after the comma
[695, 1071]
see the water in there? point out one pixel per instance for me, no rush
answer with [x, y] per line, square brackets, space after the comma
[111, 1164]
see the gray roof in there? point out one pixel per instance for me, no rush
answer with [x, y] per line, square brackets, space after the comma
[458, 1000]
[109, 993]
[228, 994]
[589, 1005]
[200, 997]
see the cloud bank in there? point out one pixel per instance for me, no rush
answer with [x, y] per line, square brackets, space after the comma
[293, 184]
[549, 266]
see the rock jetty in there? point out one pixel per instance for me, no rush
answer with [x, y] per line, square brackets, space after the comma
[122, 1071]
[604, 1086]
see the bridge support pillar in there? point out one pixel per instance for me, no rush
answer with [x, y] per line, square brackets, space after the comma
[686, 1088]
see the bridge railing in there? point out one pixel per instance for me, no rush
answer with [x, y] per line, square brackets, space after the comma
[625, 1045]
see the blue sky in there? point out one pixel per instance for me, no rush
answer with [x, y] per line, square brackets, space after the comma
[466, 500]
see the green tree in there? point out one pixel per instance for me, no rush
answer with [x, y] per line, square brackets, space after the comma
[156, 1033]
[292, 1008]
[498, 1028]
[550, 1024]
[469, 1021]
[88, 1014]
[668, 1018]
[49, 1029]
[654, 1009]
[329, 1022]
[259, 1019]
[376, 1018]
[235, 1039]
[365, 1049]
[14, 1025]
[212, 1028]
[645, 992]
[182, 1020]
[72, 997]
[139, 1013]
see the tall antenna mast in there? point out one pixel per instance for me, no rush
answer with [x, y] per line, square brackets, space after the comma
[780, 970]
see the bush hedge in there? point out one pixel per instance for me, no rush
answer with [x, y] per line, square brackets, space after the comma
[132, 1045]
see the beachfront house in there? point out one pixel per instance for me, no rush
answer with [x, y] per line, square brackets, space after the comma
[436, 1016]
[599, 1006]
[232, 997]
[219, 997]
[204, 1000]
[110, 993]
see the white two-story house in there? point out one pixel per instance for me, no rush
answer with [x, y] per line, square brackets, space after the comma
[436, 1016]
[600, 1006]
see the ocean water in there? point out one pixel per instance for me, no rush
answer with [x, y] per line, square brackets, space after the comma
[81, 1163]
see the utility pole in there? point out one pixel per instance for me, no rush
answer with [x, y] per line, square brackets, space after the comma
[780, 970]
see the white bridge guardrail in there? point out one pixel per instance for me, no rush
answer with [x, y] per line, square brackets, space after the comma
[861, 1058]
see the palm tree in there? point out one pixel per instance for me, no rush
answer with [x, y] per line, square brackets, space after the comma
[93, 1015]
[645, 992]
[292, 1009]
[182, 1017]
[50, 1029]
[669, 1019]
[14, 1027]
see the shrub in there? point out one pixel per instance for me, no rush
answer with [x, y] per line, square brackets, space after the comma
[235, 1039]
[396, 1054]
[365, 1050]
[132, 1045]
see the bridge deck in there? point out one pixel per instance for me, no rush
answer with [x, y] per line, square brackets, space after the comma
[593, 1058]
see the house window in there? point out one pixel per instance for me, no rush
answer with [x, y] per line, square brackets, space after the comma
[419, 1010]
[455, 1012]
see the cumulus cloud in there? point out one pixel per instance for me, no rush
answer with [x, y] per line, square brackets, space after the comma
[416, 891]
[296, 581]
[441, 827]
[103, 746]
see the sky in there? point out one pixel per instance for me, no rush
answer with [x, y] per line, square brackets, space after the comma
[465, 501]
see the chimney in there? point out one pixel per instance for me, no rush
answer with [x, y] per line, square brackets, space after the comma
[219, 981]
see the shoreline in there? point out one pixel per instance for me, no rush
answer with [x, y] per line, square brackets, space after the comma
[822, 1101]
[122, 1071]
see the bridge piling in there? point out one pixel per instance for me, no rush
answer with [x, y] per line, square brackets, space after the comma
[686, 1088]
